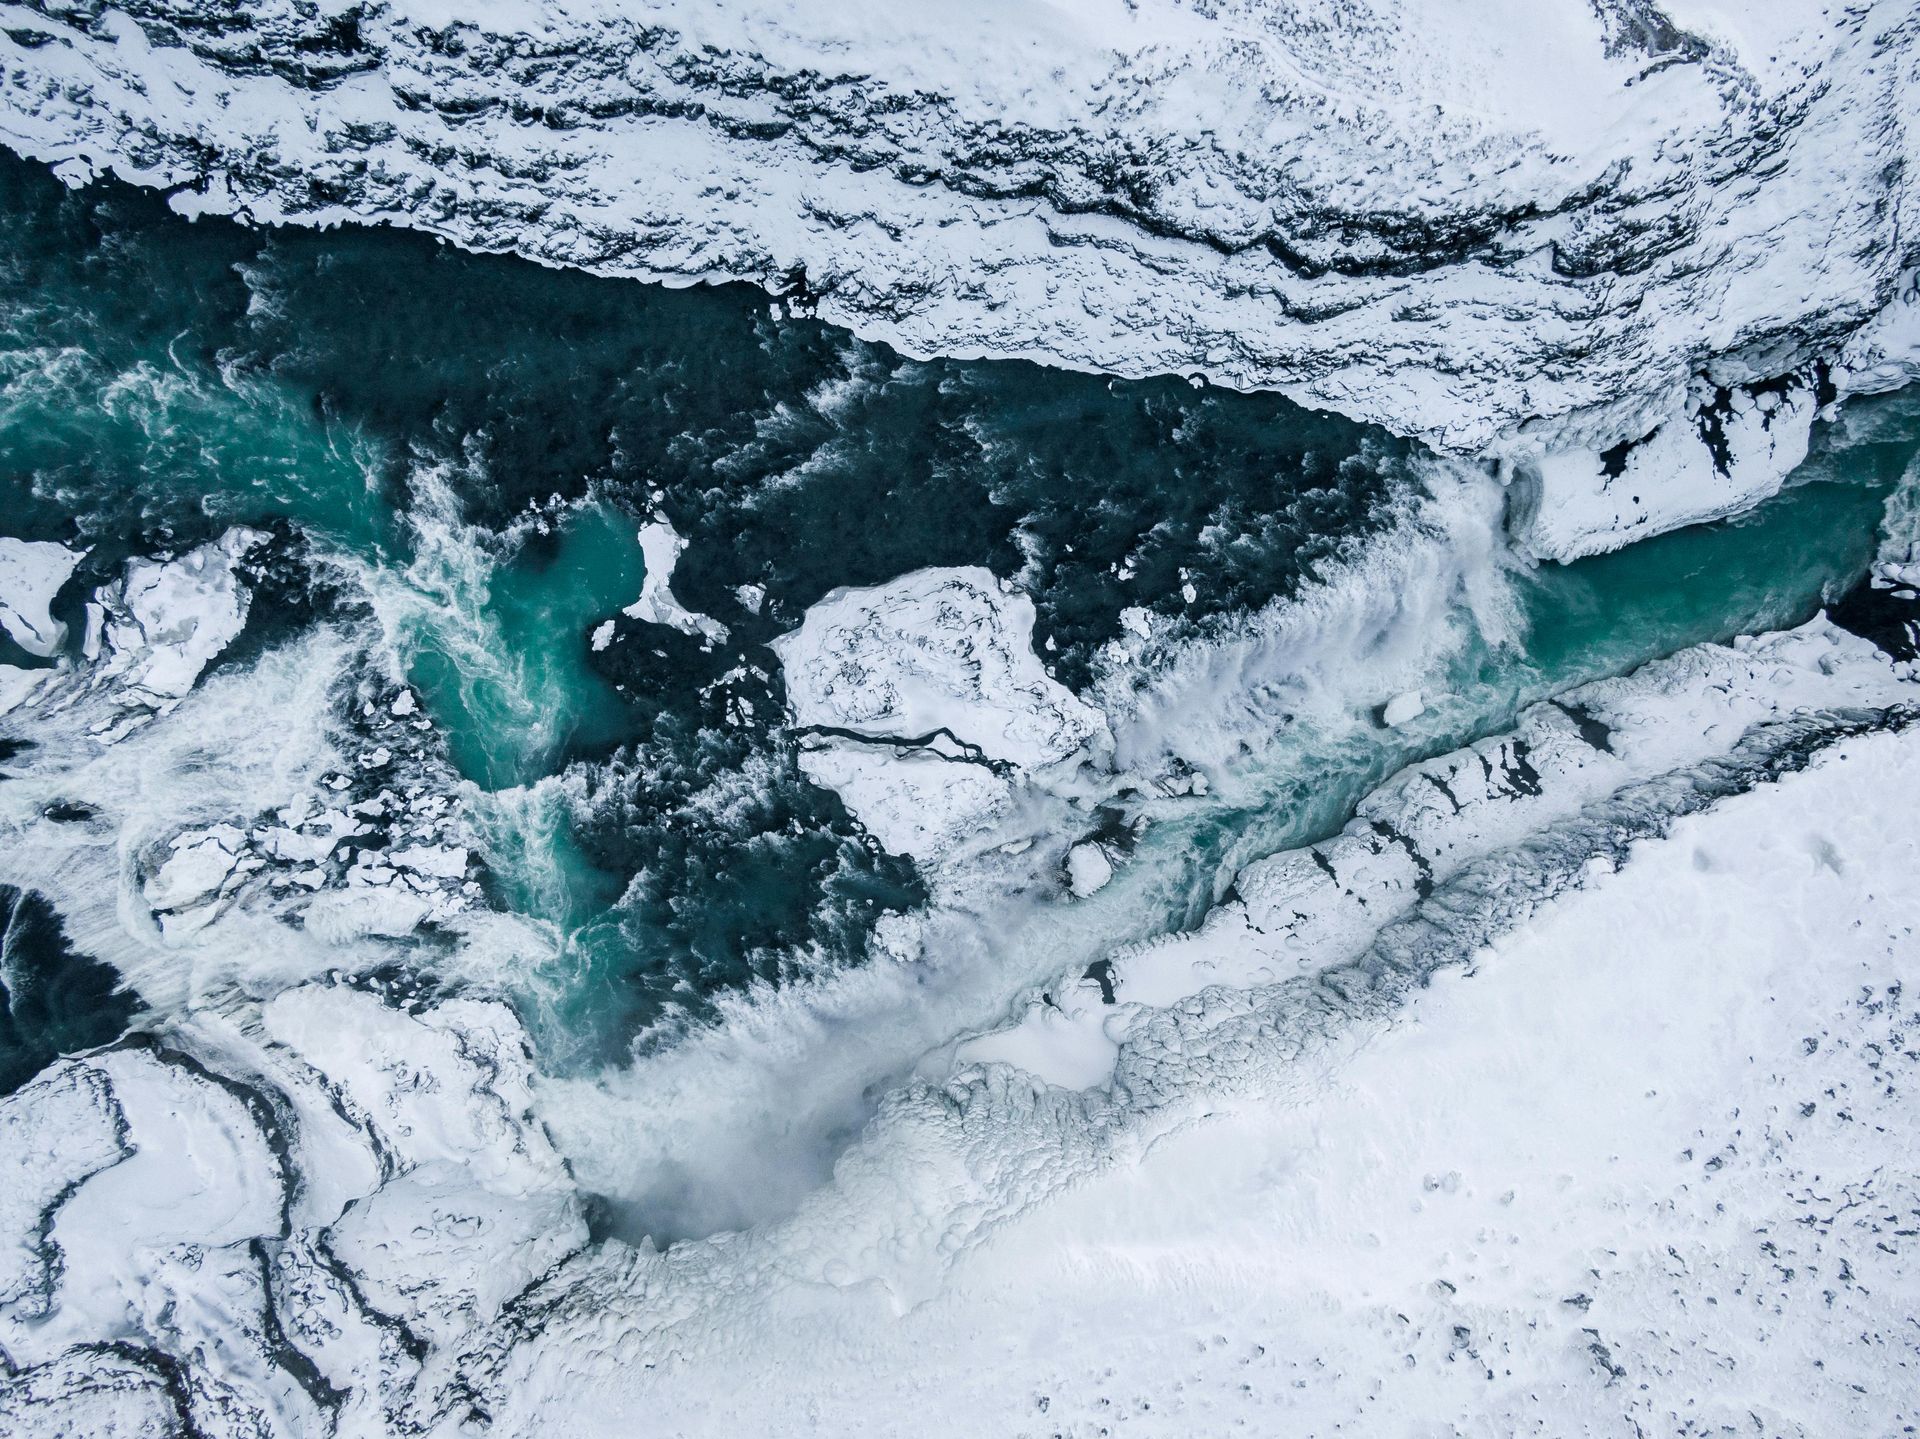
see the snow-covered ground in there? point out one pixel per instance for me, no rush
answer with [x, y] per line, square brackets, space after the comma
[1645, 1165]
[1492, 1111]
[1563, 1091]
[1481, 224]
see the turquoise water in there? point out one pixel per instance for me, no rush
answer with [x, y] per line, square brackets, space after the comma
[1769, 569]
[459, 451]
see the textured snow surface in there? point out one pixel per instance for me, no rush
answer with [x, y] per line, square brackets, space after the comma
[931, 653]
[923, 705]
[1725, 454]
[1639, 1169]
[1453, 219]
[1565, 1088]
[166, 620]
[31, 573]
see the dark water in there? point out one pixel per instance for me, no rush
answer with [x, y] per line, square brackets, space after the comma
[161, 380]
[482, 437]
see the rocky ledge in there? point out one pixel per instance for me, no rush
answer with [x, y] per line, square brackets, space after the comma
[1504, 228]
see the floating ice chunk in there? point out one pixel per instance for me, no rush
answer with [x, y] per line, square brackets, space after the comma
[366, 911]
[403, 705]
[1088, 869]
[166, 620]
[660, 548]
[297, 848]
[751, 597]
[447, 861]
[1402, 708]
[602, 635]
[198, 867]
[31, 573]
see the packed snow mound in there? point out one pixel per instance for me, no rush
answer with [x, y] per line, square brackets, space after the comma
[31, 574]
[1451, 219]
[936, 652]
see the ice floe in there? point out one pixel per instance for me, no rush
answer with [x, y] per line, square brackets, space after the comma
[660, 547]
[31, 574]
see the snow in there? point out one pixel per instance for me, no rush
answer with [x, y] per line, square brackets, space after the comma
[1088, 869]
[1307, 1168]
[166, 620]
[922, 704]
[31, 574]
[1403, 708]
[1579, 506]
[1303, 912]
[1660, 1131]
[660, 548]
[941, 650]
[1485, 225]
[1573, 1185]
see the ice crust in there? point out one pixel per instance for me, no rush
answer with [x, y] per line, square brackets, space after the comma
[921, 702]
[1499, 226]
[660, 548]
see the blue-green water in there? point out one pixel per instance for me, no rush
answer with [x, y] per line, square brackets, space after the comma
[458, 451]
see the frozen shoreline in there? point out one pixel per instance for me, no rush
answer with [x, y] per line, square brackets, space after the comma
[1460, 248]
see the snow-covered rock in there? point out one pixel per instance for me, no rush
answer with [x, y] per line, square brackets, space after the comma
[1454, 220]
[31, 574]
[1730, 450]
[298, 1229]
[923, 705]
[937, 652]
[17, 685]
[914, 800]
